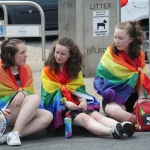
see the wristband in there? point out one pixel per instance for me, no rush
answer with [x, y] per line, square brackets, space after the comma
[23, 93]
[141, 96]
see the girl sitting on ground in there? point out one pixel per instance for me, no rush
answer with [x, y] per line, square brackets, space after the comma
[17, 93]
[63, 90]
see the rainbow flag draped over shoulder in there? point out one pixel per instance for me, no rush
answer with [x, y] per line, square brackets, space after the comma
[9, 86]
[54, 88]
[117, 76]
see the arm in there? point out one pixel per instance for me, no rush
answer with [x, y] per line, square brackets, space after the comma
[18, 99]
[141, 96]
[80, 99]
[83, 103]
[24, 93]
[141, 92]
[69, 105]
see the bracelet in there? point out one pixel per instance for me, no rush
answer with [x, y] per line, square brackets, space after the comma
[23, 93]
[141, 96]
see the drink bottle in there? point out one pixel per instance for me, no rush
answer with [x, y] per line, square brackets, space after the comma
[68, 125]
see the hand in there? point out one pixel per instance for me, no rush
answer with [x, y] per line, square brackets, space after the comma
[139, 101]
[83, 105]
[18, 99]
[71, 105]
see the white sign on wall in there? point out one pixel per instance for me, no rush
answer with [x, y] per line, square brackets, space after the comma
[24, 30]
[101, 23]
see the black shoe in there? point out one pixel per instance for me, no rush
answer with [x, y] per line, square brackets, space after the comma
[127, 128]
[116, 131]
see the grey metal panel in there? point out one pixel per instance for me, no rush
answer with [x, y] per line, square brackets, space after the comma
[82, 20]
[67, 18]
[95, 46]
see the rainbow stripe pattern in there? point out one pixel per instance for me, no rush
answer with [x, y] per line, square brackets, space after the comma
[117, 76]
[8, 84]
[51, 92]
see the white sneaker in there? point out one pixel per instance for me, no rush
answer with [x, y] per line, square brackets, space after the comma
[116, 131]
[3, 139]
[13, 138]
[127, 128]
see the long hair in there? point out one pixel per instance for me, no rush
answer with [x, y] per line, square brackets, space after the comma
[74, 62]
[133, 29]
[8, 51]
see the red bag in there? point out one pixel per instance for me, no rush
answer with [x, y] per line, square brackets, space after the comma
[142, 113]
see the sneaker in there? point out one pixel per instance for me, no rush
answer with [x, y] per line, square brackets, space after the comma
[127, 128]
[3, 139]
[13, 138]
[116, 131]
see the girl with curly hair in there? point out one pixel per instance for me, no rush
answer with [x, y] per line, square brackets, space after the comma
[63, 90]
[120, 77]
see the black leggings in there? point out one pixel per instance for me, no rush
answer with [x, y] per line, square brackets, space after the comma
[129, 103]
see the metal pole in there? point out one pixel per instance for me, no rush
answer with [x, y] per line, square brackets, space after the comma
[5, 17]
[42, 19]
[118, 12]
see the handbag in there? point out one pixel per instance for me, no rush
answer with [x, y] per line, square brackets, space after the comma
[142, 113]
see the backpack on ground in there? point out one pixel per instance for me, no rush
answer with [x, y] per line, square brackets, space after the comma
[142, 113]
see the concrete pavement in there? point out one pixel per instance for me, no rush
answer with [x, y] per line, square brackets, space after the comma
[82, 139]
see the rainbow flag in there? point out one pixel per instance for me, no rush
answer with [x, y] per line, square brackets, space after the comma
[117, 76]
[9, 86]
[51, 92]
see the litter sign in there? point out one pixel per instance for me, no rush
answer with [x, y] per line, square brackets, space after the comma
[101, 23]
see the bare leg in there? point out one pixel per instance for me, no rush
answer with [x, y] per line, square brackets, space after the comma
[40, 121]
[102, 119]
[121, 114]
[27, 114]
[90, 124]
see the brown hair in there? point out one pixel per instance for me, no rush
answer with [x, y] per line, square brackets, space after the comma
[133, 30]
[8, 51]
[74, 63]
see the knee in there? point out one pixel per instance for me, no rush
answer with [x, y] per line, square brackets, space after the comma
[111, 112]
[97, 116]
[85, 118]
[47, 117]
[35, 99]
